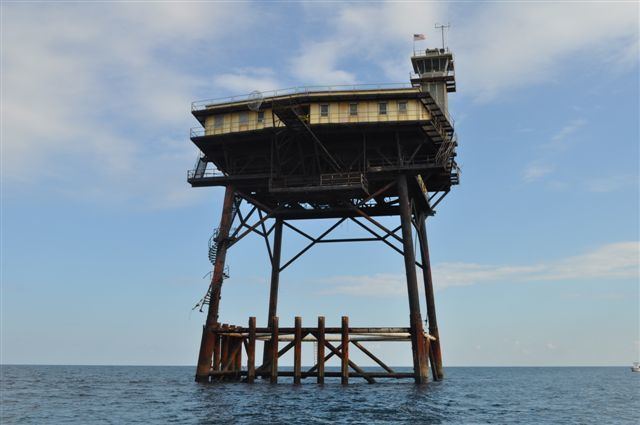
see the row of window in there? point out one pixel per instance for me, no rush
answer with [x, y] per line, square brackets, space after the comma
[353, 108]
[243, 118]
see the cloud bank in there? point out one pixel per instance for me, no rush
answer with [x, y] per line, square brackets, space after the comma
[612, 261]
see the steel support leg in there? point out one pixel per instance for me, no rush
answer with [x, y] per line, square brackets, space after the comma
[208, 341]
[275, 281]
[428, 292]
[420, 365]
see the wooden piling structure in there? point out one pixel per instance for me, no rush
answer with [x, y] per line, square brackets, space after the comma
[297, 353]
[251, 351]
[274, 349]
[320, 353]
[345, 350]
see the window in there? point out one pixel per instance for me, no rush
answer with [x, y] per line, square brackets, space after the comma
[382, 108]
[402, 107]
[244, 118]
[324, 110]
[353, 109]
[218, 120]
[260, 116]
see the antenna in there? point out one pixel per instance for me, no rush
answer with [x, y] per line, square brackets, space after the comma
[442, 27]
[255, 100]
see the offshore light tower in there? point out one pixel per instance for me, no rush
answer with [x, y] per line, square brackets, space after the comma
[340, 152]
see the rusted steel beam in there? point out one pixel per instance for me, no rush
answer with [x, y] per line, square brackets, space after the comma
[306, 248]
[320, 354]
[330, 330]
[251, 228]
[282, 351]
[275, 282]
[325, 358]
[417, 344]
[266, 237]
[432, 363]
[349, 240]
[237, 366]
[372, 356]
[338, 352]
[384, 238]
[204, 340]
[216, 351]
[345, 350]
[243, 220]
[207, 344]
[430, 297]
[377, 192]
[297, 352]
[376, 223]
[251, 351]
[233, 348]
[288, 373]
[274, 349]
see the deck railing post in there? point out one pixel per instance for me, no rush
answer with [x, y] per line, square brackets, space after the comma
[345, 350]
[297, 351]
[274, 349]
[251, 351]
[320, 338]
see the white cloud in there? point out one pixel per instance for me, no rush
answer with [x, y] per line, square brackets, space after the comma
[564, 134]
[612, 261]
[499, 46]
[536, 171]
[560, 141]
[508, 45]
[612, 183]
[95, 100]
[317, 64]
[246, 80]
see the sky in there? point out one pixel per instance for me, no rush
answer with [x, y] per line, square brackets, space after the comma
[104, 244]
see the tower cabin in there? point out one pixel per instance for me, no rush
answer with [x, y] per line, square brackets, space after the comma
[307, 149]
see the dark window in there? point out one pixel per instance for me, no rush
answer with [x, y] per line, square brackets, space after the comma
[402, 107]
[244, 118]
[324, 110]
[353, 109]
[382, 108]
[260, 116]
[218, 120]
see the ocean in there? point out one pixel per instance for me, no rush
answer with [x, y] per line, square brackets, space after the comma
[468, 395]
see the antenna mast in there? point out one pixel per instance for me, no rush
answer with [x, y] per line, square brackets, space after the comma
[441, 28]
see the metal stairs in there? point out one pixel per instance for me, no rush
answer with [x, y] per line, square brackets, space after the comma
[214, 243]
[291, 114]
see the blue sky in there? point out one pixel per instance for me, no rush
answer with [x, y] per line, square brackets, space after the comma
[535, 254]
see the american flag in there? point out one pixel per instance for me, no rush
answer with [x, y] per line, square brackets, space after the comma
[417, 37]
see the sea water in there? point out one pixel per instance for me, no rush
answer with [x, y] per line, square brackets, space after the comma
[467, 395]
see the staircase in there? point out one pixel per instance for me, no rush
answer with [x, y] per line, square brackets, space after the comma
[214, 243]
[289, 111]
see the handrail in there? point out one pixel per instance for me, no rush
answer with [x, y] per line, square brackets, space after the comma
[204, 104]
[191, 174]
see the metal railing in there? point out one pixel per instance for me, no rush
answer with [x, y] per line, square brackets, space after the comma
[432, 74]
[204, 104]
[331, 179]
[191, 174]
